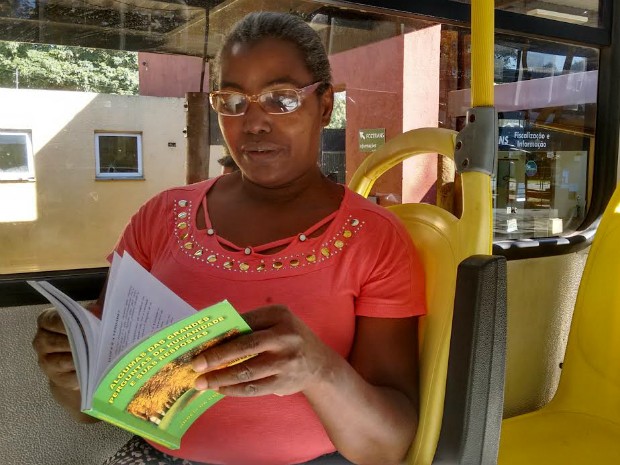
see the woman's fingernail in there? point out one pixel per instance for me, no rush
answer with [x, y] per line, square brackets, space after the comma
[201, 384]
[199, 364]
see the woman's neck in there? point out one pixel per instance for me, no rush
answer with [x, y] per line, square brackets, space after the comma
[311, 185]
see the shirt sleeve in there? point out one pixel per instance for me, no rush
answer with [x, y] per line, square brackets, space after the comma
[395, 285]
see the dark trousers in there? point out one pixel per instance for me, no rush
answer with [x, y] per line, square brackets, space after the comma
[139, 452]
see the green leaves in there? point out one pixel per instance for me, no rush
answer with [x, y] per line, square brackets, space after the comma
[38, 66]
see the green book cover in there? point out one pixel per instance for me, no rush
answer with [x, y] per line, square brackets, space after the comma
[150, 392]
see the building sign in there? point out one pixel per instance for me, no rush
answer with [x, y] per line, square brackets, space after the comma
[539, 140]
[531, 168]
[371, 139]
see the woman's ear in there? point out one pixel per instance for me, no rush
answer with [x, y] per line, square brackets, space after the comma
[327, 105]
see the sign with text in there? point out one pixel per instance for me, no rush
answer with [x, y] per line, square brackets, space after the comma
[530, 139]
[371, 139]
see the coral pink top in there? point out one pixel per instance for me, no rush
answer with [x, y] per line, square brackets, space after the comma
[364, 264]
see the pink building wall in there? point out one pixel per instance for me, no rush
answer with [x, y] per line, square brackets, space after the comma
[373, 79]
[393, 84]
[421, 109]
[170, 75]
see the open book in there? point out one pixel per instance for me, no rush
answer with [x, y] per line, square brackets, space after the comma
[134, 365]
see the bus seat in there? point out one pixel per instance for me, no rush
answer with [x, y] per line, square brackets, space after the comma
[443, 242]
[581, 424]
[34, 429]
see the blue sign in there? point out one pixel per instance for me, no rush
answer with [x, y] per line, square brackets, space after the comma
[531, 168]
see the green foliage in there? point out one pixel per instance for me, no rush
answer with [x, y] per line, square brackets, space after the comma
[68, 68]
[339, 113]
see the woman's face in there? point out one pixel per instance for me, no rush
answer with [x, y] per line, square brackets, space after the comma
[272, 150]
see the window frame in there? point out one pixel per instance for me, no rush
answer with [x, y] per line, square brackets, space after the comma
[20, 176]
[119, 175]
[505, 21]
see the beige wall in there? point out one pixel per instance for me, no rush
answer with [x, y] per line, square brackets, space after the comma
[65, 218]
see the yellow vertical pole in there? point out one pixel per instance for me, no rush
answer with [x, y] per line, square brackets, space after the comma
[482, 52]
[478, 215]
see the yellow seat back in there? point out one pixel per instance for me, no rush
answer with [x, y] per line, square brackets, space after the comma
[581, 424]
[443, 241]
[590, 379]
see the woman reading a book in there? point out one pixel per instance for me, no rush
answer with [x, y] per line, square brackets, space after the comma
[329, 282]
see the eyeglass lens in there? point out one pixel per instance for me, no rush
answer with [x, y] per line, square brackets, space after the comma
[275, 102]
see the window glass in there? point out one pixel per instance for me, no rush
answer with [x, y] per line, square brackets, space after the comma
[545, 95]
[132, 109]
[118, 155]
[15, 155]
[582, 12]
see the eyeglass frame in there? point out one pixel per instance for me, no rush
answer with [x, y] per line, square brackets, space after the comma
[302, 93]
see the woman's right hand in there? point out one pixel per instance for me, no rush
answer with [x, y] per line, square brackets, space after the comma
[55, 359]
[54, 352]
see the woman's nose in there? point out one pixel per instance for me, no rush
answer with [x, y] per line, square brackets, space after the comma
[256, 120]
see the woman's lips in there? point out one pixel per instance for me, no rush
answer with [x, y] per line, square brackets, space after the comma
[260, 150]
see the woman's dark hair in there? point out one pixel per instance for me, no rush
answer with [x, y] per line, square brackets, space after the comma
[265, 24]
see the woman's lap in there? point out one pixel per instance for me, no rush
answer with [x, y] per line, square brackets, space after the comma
[139, 452]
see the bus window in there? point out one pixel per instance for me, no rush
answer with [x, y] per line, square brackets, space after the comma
[545, 95]
[97, 142]
[581, 12]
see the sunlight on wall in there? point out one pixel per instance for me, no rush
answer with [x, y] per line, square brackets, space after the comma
[67, 218]
[18, 200]
[18, 114]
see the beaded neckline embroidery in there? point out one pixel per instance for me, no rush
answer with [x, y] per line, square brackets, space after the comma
[191, 246]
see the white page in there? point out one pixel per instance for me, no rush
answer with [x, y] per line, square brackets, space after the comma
[137, 306]
[83, 330]
[93, 375]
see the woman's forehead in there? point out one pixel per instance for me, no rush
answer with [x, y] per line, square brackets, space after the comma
[270, 60]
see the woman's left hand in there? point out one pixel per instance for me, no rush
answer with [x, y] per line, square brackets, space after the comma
[287, 357]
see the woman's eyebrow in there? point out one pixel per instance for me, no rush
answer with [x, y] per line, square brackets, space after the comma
[230, 85]
[285, 80]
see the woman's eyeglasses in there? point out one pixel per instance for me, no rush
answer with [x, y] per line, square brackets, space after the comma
[274, 102]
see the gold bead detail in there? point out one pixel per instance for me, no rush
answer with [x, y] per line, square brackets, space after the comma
[260, 267]
[347, 233]
[188, 245]
[229, 264]
[278, 265]
[311, 258]
[198, 253]
[294, 262]
[212, 258]
[339, 244]
[244, 266]
[182, 225]
[325, 252]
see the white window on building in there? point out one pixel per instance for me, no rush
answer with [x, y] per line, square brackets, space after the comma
[118, 155]
[16, 159]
